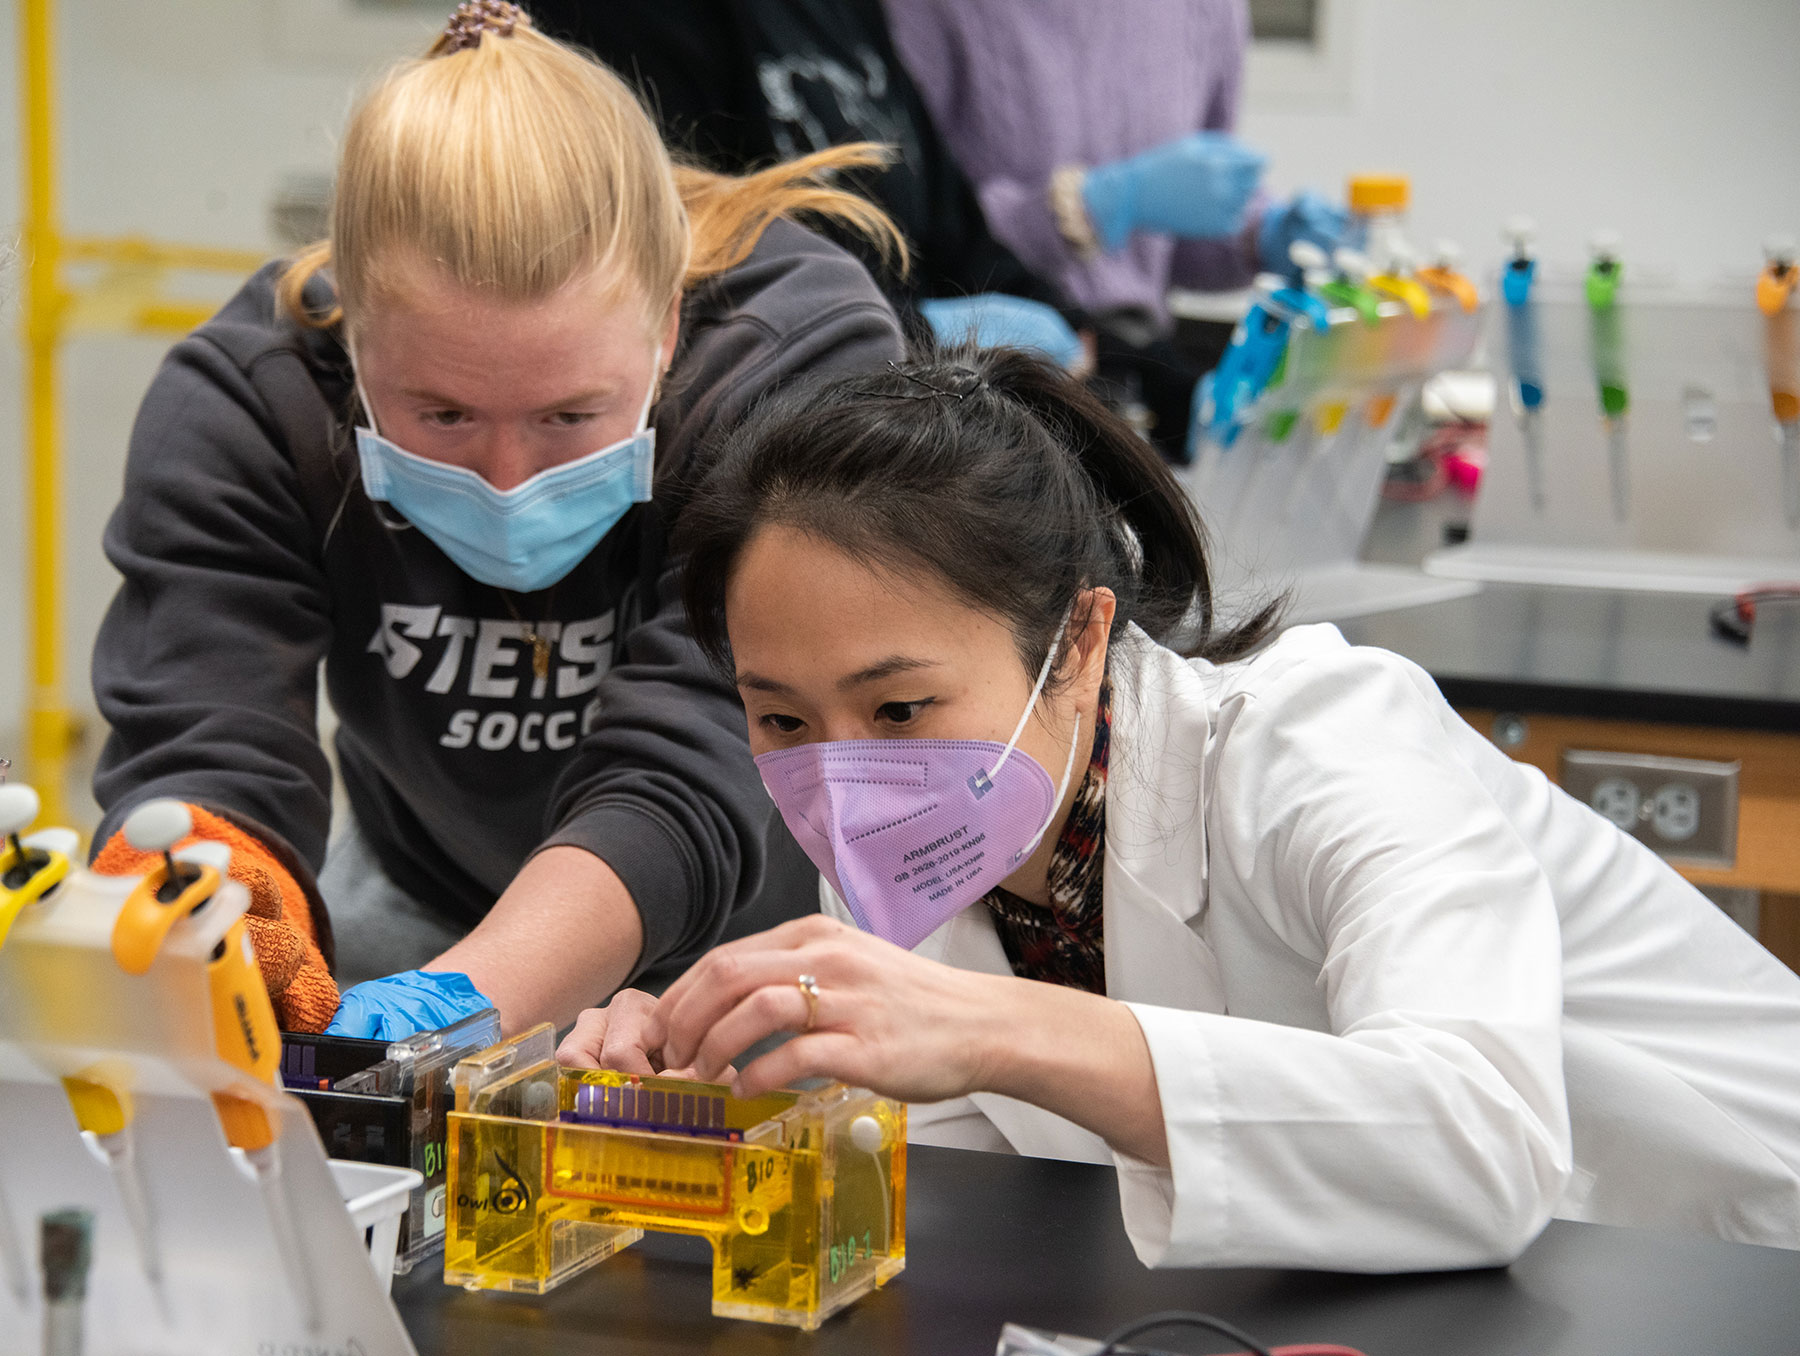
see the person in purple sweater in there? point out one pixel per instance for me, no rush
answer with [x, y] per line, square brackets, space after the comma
[1099, 141]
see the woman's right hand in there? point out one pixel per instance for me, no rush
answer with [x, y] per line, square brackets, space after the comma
[614, 1037]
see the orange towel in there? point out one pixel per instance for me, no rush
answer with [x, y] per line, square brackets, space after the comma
[280, 921]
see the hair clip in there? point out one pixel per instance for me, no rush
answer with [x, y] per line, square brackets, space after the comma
[475, 17]
[932, 389]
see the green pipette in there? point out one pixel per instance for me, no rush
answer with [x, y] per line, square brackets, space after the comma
[1605, 333]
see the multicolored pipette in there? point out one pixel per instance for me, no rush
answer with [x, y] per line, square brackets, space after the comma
[1606, 336]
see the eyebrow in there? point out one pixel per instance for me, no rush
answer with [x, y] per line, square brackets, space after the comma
[885, 668]
[598, 393]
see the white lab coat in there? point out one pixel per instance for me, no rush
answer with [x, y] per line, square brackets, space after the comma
[1405, 999]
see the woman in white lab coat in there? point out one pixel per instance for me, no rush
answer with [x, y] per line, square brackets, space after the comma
[1331, 980]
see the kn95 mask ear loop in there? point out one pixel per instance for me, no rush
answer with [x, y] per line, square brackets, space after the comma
[987, 780]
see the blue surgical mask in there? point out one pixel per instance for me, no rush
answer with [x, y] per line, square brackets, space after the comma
[526, 538]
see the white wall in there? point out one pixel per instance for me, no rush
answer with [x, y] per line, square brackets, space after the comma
[1677, 122]
[1672, 120]
[177, 120]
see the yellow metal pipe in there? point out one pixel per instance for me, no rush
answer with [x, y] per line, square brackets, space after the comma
[141, 250]
[172, 317]
[48, 724]
[47, 313]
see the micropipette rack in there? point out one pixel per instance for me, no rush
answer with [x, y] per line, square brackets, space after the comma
[1705, 509]
[1288, 511]
[219, 1275]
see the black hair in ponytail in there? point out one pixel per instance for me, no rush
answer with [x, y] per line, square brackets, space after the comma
[993, 470]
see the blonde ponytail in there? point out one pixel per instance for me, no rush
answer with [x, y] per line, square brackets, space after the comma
[515, 164]
[728, 213]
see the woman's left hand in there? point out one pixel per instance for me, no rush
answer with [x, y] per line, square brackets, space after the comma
[887, 1020]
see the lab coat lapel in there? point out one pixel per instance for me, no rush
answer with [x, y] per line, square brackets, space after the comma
[1155, 884]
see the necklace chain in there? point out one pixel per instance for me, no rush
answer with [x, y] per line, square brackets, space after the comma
[534, 632]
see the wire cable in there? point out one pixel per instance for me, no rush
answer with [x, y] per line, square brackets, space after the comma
[1188, 1318]
[1192, 1319]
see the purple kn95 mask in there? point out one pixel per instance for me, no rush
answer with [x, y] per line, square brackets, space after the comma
[910, 832]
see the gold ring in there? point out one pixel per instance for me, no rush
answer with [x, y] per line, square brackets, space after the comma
[809, 986]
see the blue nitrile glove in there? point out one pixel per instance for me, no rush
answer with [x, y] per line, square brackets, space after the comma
[1305, 216]
[1196, 185]
[402, 1005]
[992, 319]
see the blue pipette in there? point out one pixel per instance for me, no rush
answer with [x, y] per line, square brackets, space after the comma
[1253, 361]
[1516, 280]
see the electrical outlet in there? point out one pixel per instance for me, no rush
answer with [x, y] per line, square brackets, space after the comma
[1680, 807]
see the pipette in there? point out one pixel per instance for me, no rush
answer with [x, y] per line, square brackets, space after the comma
[1398, 280]
[27, 872]
[1439, 278]
[244, 1029]
[1255, 358]
[12, 1252]
[1340, 280]
[1606, 335]
[1307, 298]
[13, 1266]
[1516, 281]
[1230, 389]
[1302, 305]
[99, 1095]
[1442, 275]
[67, 1253]
[1348, 282]
[101, 1098]
[1328, 428]
[1774, 298]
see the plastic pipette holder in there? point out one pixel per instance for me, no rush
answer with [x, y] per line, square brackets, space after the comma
[198, 1246]
[1705, 504]
[376, 1102]
[1289, 502]
[802, 1194]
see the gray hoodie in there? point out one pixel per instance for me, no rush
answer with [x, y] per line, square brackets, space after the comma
[250, 554]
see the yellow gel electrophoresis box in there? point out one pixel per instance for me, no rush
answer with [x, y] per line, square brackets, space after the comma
[801, 1193]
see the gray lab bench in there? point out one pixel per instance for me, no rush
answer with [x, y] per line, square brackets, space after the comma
[992, 1238]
